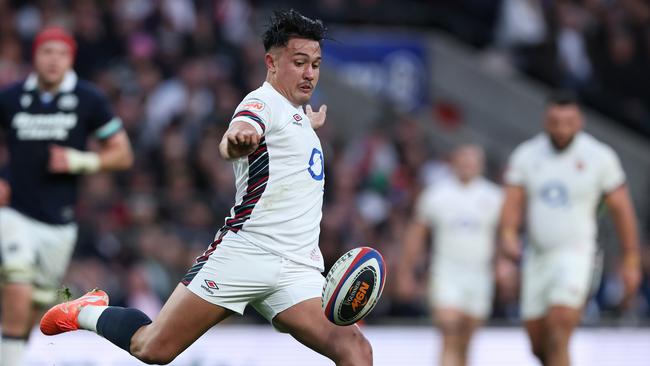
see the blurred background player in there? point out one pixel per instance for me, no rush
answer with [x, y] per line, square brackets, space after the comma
[266, 255]
[556, 181]
[47, 119]
[463, 213]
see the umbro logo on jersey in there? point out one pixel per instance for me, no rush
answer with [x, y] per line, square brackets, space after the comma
[209, 286]
[296, 119]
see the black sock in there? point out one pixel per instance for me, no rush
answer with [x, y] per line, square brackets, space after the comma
[15, 338]
[118, 325]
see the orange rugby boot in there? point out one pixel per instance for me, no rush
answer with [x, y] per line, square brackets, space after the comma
[63, 317]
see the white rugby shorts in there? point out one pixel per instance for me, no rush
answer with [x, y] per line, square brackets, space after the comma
[238, 273]
[560, 276]
[35, 252]
[462, 287]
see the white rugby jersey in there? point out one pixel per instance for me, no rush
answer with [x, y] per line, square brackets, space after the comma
[279, 186]
[464, 219]
[563, 188]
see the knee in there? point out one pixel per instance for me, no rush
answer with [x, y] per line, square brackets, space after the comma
[152, 352]
[563, 318]
[353, 350]
[365, 351]
[559, 327]
[451, 327]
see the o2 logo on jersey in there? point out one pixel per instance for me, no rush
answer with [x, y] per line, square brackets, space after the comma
[554, 194]
[316, 165]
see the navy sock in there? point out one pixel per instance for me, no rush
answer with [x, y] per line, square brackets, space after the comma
[118, 325]
[15, 338]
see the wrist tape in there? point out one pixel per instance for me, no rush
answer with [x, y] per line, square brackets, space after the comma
[84, 162]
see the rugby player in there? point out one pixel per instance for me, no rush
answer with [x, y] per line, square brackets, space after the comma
[266, 255]
[47, 120]
[556, 181]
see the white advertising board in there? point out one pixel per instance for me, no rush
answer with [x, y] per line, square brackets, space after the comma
[230, 345]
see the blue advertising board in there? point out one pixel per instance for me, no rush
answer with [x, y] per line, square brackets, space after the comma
[393, 67]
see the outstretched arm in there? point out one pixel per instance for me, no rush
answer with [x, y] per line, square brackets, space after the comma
[240, 140]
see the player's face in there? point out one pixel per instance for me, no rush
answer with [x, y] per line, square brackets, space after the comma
[562, 123]
[467, 162]
[298, 69]
[52, 60]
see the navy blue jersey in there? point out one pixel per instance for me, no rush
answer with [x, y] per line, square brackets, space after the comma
[32, 121]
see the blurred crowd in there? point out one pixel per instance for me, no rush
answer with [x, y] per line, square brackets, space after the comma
[599, 48]
[175, 70]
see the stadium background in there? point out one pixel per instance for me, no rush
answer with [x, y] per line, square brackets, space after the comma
[404, 82]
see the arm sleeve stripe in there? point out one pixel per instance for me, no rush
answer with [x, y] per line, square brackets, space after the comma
[255, 125]
[252, 116]
[109, 128]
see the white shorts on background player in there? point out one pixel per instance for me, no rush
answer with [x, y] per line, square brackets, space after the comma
[559, 277]
[239, 273]
[461, 287]
[35, 252]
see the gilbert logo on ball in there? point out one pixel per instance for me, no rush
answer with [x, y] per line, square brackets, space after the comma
[353, 285]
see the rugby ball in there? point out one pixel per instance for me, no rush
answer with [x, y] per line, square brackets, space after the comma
[353, 285]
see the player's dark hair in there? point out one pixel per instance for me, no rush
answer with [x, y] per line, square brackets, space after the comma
[562, 98]
[289, 24]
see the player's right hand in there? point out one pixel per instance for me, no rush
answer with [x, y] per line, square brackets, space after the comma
[5, 192]
[241, 139]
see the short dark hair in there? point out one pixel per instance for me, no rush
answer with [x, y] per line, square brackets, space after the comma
[562, 98]
[289, 24]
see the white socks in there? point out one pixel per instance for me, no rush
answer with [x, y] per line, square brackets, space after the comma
[88, 316]
[12, 351]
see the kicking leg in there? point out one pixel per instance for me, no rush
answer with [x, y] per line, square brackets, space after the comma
[305, 321]
[182, 320]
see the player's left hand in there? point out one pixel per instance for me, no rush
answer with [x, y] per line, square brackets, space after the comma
[317, 119]
[631, 276]
[58, 159]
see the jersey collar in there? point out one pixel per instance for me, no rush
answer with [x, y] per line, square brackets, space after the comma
[67, 85]
[577, 140]
[472, 183]
[268, 85]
